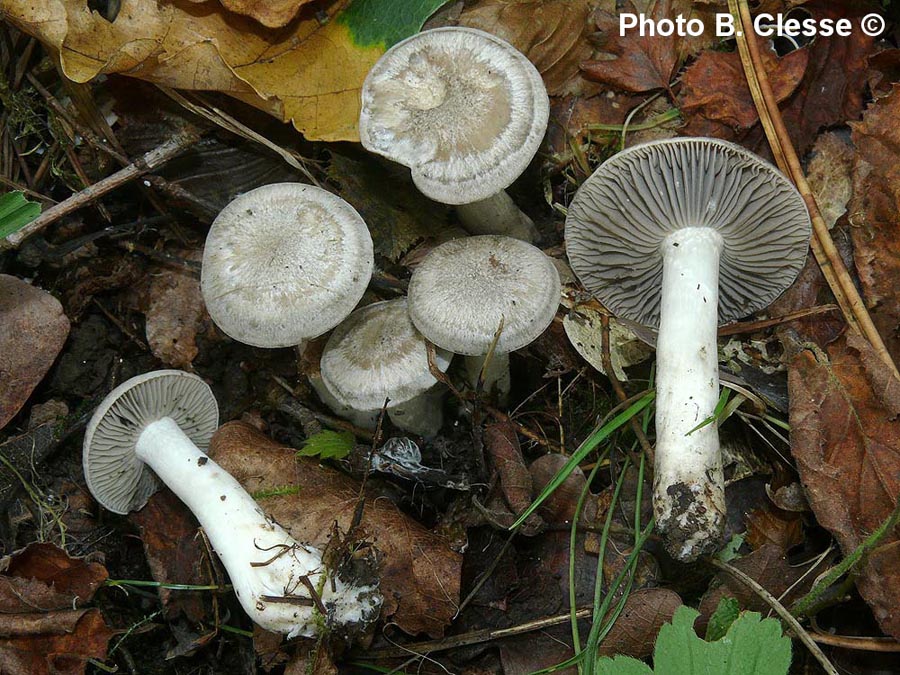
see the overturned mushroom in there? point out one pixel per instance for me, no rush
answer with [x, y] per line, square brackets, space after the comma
[685, 234]
[464, 288]
[377, 354]
[465, 111]
[284, 263]
[147, 432]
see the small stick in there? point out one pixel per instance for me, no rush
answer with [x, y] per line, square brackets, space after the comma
[780, 609]
[156, 157]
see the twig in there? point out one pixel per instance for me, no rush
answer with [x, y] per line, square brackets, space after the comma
[826, 253]
[147, 162]
[475, 637]
[754, 326]
[802, 606]
[780, 609]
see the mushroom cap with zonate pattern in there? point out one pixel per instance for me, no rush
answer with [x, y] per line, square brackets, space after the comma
[115, 475]
[463, 288]
[620, 215]
[377, 353]
[463, 109]
[284, 263]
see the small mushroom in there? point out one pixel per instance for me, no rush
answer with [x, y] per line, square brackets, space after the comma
[377, 354]
[285, 263]
[466, 112]
[685, 234]
[149, 431]
[462, 290]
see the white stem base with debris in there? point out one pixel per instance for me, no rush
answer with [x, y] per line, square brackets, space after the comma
[688, 492]
[271, 573]
[497, 214]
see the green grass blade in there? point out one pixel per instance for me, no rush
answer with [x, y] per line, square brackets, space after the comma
[583, 450]
[16, 212]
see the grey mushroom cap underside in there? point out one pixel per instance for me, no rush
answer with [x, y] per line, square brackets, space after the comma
[464, 287]
[621, 214]
[377, 353]
[284, 263]
[116, 477]
[463, 109]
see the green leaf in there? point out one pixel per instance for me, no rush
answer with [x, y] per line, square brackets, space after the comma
[622, 665]
[726, 614]
[383, 23]
[328, 445]
[730, 551]
[750, 647]
[16, 212]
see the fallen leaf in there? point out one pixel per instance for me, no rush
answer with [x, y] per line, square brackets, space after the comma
[884, 71]
[33, 330]
[175, 553]
[829, 175]
[420, 577]
[766, 526]
[501, 444]
[714, 96]
[176, 313]
[875, 227]
[638, 63]
[551, 33]
[634, 633]
[42, 627]
[584, 329]
[560, 506]
[845, 437]
[272, 13]
[310, 73]
[768, 567]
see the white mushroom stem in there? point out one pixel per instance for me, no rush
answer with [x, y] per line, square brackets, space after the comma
[271, 573]
[497, 214]
[497, 381]
[688, 493]
[422, 414]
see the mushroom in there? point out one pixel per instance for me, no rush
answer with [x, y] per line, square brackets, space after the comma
[284, 263]
[147, 432]
[464, 288]
[466, 112]
[377, 354]
[685, 234]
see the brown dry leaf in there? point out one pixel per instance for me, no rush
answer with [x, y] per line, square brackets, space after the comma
[638, 63]
[766, 526]
[845, 436]
[175, 553]
[715, 94]
[420, 577]
[551, 33]
[829, 175]
[501, 445]
[309, 73]
[175, 315]
[560, 506]
[271, 13]
[634, 633]
[768, 567]
[33, 330]
[884, 71]
[41, 631]
[874, 208]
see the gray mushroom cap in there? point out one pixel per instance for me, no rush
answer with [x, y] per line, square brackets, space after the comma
[283, 263]
[116, 477]
[623, 211]
[377, 353]
[462, 289]
[463, 109]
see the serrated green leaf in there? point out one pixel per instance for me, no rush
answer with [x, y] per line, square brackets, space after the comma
[622, 665]
[383, 23]
[726, 614]
[328, 445]
[750, 647]
[730, 551]
[16, 212]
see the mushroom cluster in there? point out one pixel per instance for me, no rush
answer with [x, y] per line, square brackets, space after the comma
[685, 234]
